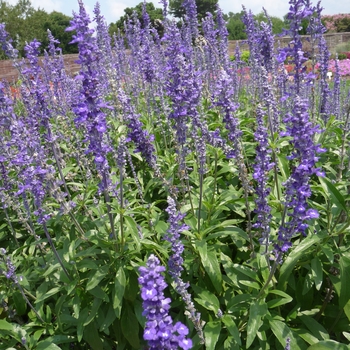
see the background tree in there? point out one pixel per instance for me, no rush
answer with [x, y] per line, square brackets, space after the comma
[203, 6]
[24, 23]
[235, 26]
[337, 23]
[153, 13]
[277, 23]
[57, 23]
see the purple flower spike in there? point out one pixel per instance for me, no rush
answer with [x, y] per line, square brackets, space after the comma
[160, 332]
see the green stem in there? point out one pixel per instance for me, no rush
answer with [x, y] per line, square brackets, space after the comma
[121, 208]
[29, 303]
[342, 152]
[214, 186]
[55, 251]
[108, 205]
[10, 224]
[200, 201]
[269, 279]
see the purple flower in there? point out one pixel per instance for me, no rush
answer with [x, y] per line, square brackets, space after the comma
[141, 138]
[89, 108]
[9, 273]
[304, 158]
[160, 332]
[224, 99]
[262, 166]
[176, 227]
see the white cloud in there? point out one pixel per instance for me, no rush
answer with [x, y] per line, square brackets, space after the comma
[116, 9]
[48, 5]
[279, 8]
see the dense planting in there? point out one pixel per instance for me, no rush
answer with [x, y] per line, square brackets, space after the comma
[169, 197]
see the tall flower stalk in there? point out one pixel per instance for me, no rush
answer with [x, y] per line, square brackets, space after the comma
[90, 106]
[160, 332]
[175, 264]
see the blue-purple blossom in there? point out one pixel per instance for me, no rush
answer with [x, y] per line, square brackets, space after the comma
[159, 332]
[304, 158]
[90, 106]
[10, 272]
[139, 136]
[6, 43]
[224, 99]
[299, 10]
[175, 263]
[262, 166]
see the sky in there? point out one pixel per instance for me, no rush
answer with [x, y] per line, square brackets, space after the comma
[112, 10]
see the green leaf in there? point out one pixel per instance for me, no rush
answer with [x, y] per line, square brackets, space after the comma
[282, 332]
[328, 253]
[297, 252]
[45, 345]
[232, 328]
[347, 310]
[258, 309]
[20, 303]
[317, 272]
[308, 283]
[80, 328]
[93, 311]
[95, 277]
[316, 329]
[279, 301]
[92, 337]
[211, 333]
[245, 270]
[344, 281]
[211, 264]
[133, 230]
[6, 326]
[207, 299]
[283, 165]
[250, 284]
[328, 345]
[119, 289]
[263, 267]
[337, 197]
[130, 327]
[238, 299]
[99, 293]
[346, 335]
[108, 319]
[48, 294]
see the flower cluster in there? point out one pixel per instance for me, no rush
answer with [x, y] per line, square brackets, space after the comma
[90, 105]
[334, 23]
[140, 137]
[175, 263]
[9, 273]
[304, 156]
[159, 331]
[262, 166]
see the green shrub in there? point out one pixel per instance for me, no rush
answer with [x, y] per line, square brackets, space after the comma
[245, 55]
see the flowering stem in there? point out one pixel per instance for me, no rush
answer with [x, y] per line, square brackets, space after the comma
[200, 201]
[11, 227]
[274, 160]
[189, 194]
[121, 209]
[269, 279]
[342, 152]
[55, 251]
[214, 185]
[54, 151]
[76, 223]
[108, 205]
[29, 303]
